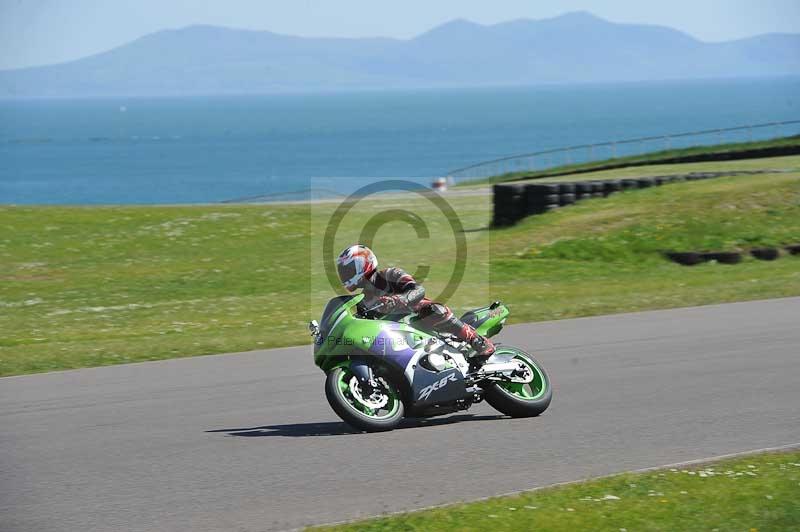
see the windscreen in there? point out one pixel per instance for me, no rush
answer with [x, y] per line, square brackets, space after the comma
[330, 309]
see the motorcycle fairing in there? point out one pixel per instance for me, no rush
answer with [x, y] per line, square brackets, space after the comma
[487, 321]
[437, 387]
[397, 344]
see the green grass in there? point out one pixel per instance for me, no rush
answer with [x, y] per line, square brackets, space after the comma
[767, 163]
[105, 285]
[757, 494]
[94, 286]
[605, 256]
[633, 162]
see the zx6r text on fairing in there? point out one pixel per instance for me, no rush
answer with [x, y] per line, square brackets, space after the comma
[379, 371]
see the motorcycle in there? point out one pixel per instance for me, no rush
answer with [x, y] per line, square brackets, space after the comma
[379, 371]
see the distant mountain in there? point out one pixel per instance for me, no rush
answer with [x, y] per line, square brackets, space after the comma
[572, 48]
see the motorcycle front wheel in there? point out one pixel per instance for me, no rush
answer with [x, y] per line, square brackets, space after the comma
[379, 410]
[521, 399]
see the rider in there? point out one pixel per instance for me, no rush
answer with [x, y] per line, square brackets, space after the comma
[393, 291]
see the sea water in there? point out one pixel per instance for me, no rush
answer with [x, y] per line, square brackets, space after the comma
[210, 149]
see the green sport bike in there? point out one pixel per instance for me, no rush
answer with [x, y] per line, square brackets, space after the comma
[380, 371]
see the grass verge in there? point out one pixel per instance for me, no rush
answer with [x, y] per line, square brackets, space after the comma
[632, 162]
[756, 494]
[95, 286]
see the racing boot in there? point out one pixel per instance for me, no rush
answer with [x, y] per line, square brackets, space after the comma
[438, 317]
[483, 346]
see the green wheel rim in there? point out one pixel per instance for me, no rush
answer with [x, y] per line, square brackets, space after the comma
[390, 408]
[530, 391]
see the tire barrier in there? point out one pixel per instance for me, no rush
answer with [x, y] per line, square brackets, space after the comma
[609, 187]
[765, 253]
[540, 199]
[692, 258]
[567, 199]
[583, 188]
[724, 257]
[686, 258]
[515, 201]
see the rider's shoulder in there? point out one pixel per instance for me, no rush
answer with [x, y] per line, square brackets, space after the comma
[393, 273]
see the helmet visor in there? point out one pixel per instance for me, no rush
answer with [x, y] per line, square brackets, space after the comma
[347, 272]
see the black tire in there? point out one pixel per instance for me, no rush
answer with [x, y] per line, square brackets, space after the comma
[506, 191]
[551, 207]
[630, 184]
[353, 417]
[566, 188]
[724, 257]
[686, 258]
[537, 198]
[583, 187]
[609, 187]
[567, 199]
[533, 210]
[509, 204]
[542, 189]
[646, 182]
[765, 253]
[793, 249]
[511, 405]
[518, 208]
[503, 221]
[550, 198]
[510, 199]
[584, 197]
[503, 216]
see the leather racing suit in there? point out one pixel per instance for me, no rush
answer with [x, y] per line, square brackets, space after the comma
[395, 292]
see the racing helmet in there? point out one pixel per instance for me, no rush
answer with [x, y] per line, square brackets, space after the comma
[354, 264]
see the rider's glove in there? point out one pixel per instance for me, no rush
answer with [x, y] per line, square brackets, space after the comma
[388, 304]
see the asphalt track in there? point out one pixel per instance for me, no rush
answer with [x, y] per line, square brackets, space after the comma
[247, 442]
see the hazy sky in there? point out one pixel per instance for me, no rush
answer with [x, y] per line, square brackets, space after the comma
[34, 32]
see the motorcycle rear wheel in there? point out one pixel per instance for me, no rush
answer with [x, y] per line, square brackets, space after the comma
[521, 400]
[381, 411]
